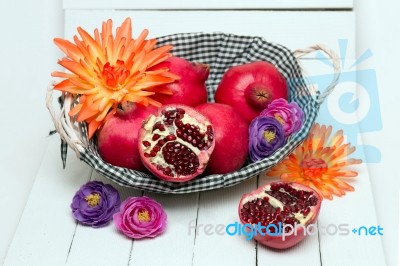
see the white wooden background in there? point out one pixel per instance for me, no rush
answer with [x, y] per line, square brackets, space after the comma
[48, 235]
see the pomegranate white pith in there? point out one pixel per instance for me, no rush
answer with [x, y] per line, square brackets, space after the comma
[288, 203]
[176, 144]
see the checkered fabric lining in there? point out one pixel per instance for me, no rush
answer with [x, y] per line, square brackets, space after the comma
[220, 51]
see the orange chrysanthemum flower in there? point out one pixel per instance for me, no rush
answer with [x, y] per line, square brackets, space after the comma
[319, 163]
[107, 70]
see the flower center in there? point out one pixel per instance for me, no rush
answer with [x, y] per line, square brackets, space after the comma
[313, 167]
[143, 216]
[269, 136]
[93, 199]
[279, 118]
[115, 75]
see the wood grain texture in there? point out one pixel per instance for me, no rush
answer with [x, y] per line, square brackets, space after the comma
[47, 227]
[216, 208]
[209, 4]
[101, 246]
[293, 29]
[175, 246]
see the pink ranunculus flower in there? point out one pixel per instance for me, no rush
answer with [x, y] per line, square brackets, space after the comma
[141, 217]
[289, 115]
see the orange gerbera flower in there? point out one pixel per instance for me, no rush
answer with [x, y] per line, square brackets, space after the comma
[108, 69]
[319, 163]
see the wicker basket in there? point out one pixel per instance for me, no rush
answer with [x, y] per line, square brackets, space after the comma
[220, 51]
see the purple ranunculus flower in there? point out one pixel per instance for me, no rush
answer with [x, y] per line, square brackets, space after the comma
[266, 135]
[95, 203]
[141, 217]
[289, 115]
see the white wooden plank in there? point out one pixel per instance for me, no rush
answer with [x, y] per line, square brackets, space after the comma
[209, 4]
[92, 246]
[218, 209]
[46, 227]
[175, 246]
[292, 29]
[352, 211]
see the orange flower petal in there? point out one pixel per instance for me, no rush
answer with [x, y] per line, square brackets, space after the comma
[110, 69]
[326, 158]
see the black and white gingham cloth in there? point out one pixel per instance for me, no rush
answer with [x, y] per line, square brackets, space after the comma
[220, 51]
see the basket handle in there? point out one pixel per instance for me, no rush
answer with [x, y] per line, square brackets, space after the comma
[62, 121]
[336, 67]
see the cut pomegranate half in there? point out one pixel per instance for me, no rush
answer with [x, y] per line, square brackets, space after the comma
[176, 144]
[283, 209]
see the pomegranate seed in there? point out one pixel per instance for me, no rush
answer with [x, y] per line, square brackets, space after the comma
[161, 142]
[167, 171]
[156, 126]
[274, 187]
[170, 137]
[156, 148]
[155, 137]
[307, 211]
[146, 143]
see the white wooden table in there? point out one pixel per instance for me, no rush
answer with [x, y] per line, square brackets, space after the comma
[47, 233]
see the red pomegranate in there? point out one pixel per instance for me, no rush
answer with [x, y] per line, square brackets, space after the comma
[231, 138]
[251, 87]
[282, 211]
[118, 138]
[176, 144]
[190, 89]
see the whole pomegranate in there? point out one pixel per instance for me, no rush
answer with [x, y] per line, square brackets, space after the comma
[231, 138]
[281, 211]
[251, 87]
[118, 138]
[190, 89]
[176, 144]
